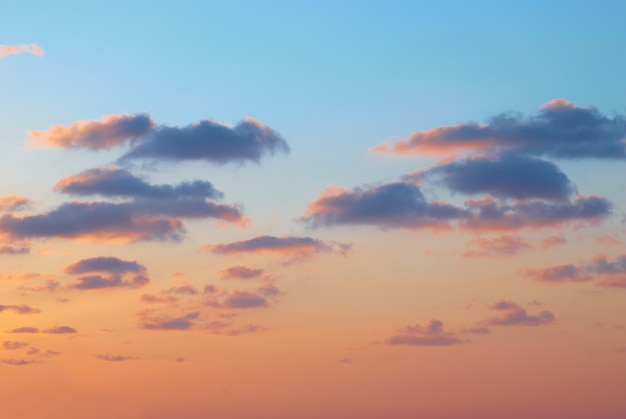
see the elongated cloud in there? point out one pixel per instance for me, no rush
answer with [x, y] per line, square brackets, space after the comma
[19, 362]
[116, 182]
[115, 358]
[612, 273]
[185, 322]
[114, 273]
[489, 214]
[390, 205]
[431, 335]
[515, 315]
[504, 176]
[55, 330]
[560, 129]
[105, 133]
[240, 272]
[205, 140]
[95, 221]
[33, 49]
[19, 309]
[402, 205]
[13, 345]
[285, 245]
[495, 247]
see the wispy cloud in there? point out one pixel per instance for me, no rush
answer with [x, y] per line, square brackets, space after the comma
[431, 335]
[19, 309]
[284, 245]
[515, 315]
[496, 247]
[33, 49]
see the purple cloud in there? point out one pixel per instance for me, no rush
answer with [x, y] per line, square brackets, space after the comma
[514, 315]
[431, 335]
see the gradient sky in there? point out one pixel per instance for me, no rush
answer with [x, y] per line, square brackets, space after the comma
[312, 209]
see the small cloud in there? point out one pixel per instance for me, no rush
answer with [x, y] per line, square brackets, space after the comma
[24, 329]
[240, 272]
[431, 335]
[58, 330]
[12, 345]
[19, 362]
[515, 315]
[33, 49]
[180, 359]
[496, 247]
[19, 309]
[115, 358]
[346, 361]
[552, 241]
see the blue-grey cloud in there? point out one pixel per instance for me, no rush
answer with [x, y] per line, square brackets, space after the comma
[112, 272]
[612, 273]
[116, 182]
[560, 129]
[19, 309]
[515, 315]
[115, 358]
[503, 176]
[286, 245]
[186, 322]
[431, 335]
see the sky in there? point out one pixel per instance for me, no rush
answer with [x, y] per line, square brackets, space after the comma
[312, 209]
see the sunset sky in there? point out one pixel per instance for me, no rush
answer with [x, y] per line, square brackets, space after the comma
[344, 210]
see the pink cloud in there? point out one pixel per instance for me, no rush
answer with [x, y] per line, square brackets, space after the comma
[515, 315]
[33, 49]
[431, 335]
[499, 246]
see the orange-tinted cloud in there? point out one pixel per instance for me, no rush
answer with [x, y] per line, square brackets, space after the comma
[611, 273]
[13, 202]
[115, 358]
[431, 335]
[515, 315]
[19, 309]
[55, 330]
[559, 129]
[240, 272]
[111, 272]
[496, 247]
[33, 49]
[552, 241]
[285, 245]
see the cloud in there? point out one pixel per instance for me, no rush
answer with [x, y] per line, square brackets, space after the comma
[210, 141]
[55, 330]
[13, 202]
[13, 344]
[155, 299]
[285, 245]
[552, 241]
[205, 140]
[182, 289]
[19, 309]
[115, 182]
[33, 49]
[503, 176]
[560, 129]
[244, 299]
[94, 221]
[115, 358]
[105, 133]
[496, 247]
[489, 214]
[117, 273]
[227, 329]
[161, 322]
[514, 315]
[240, 272]
[431, 335]
[12, 250]
[611, 273]
[60, 330]
[390, 205]
[402, 205]
[19, 362]
[24, 329]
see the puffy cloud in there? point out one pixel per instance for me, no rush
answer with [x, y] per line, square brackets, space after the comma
[19, 309]
[390, 205]
[244, 299]
[611, 273]
[498, 246]
[105, 133]
[115, 358]
[95, 221]
[286, 245]
[33, 49]
[116, 182]
[431, 335]
[210, 141]
[503, 176]
[560, 129]
[515, 315]
[13, 202]
[205, 140]
[240, 272]
[117, 273]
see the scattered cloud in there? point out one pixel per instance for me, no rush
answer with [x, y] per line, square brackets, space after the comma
[156, 299]
[552, 241]
[117, 273]
[33, 49]
[560, 129]
[161, 322]
[496, 247]
[55, 330]
[14, 202]
[19, 362]
[431, 335]
[611, 273]
[14, 344]
[515, 315]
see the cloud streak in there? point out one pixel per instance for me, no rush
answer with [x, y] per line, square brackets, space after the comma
[515, 315]
[33, 49]
[284, 245]
[431, 335]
